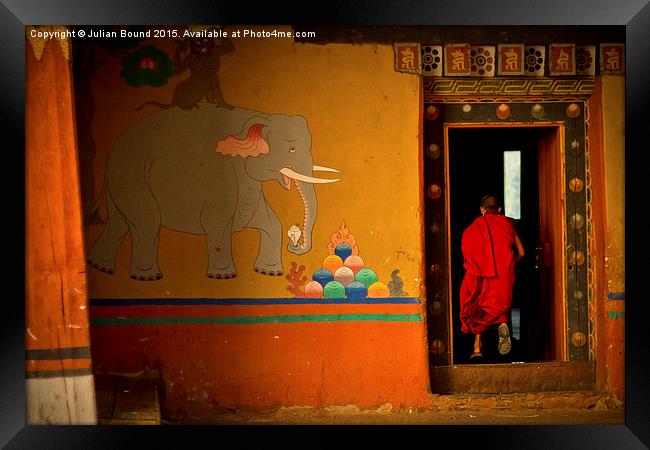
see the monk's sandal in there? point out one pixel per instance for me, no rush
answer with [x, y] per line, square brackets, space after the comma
[505, 345]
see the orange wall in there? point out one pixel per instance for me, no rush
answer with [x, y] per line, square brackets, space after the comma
[208, 368]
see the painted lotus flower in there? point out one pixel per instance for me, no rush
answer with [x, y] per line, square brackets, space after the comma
[584, 59]
[534, 59]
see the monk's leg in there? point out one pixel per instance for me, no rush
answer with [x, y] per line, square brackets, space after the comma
[477, 343]
[495, 302]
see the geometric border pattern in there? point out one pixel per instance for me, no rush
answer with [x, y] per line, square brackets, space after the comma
[508, 86]
[591, 272]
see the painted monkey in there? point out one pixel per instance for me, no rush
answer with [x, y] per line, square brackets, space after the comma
[203, 63]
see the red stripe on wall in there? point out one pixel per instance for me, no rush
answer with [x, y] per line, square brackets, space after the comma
[249, 310]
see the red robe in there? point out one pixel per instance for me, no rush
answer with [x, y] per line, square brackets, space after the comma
[489, 261]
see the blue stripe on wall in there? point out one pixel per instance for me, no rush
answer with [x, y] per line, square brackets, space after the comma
[246, 301]
[616, 296]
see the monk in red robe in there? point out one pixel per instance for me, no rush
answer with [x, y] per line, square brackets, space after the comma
[490, 248]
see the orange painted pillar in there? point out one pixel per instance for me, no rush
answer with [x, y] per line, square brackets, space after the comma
[59, 380]
[606, 144]
[613, 103]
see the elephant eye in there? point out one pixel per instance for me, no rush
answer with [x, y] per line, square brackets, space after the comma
[292, 149]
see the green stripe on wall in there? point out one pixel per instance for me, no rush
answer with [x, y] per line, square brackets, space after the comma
[616, 314]
[246, 320]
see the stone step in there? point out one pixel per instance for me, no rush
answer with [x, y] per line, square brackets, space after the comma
[513, 378]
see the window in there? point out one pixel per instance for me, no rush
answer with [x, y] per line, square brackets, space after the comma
[512, 183]
[515, 314]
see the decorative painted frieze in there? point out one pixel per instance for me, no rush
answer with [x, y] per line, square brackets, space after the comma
[482, 60]
[511, 59]
[534, 60]
[457, 60]
[562, 59]
[407, 58]
[612, 58]
[431, 60]
[586, 60]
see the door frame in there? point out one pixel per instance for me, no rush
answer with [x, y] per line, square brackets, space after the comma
[558, 293]
[572, 109]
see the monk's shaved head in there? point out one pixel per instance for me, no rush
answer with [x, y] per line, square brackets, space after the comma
[490, 202]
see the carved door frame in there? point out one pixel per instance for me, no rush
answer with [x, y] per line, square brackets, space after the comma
[528, 102]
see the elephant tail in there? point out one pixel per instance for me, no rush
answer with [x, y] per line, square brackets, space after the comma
[158, 104]
[95, 209]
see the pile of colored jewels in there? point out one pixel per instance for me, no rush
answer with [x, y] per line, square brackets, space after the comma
[343, 275]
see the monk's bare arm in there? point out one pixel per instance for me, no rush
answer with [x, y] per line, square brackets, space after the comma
[520, 248]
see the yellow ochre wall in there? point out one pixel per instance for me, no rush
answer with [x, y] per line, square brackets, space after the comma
[363, 117]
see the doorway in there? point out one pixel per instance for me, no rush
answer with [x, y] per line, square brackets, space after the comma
[517, 165]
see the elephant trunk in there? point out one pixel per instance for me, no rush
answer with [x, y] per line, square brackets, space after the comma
[308, 195]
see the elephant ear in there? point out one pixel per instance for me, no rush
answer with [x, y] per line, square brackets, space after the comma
[250, 142]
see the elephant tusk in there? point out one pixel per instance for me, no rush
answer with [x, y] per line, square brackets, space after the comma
[324, 169]
[304, 178]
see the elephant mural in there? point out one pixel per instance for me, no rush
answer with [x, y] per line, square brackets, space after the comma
[200, 171]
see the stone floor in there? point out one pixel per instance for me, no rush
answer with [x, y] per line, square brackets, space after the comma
[558, 408]
[129, 401]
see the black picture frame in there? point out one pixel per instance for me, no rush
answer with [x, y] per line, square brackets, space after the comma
[634, 14]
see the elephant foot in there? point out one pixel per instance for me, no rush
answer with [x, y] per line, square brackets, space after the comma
[268, 271]
[155, 277]
[146, 275]
[225, 274]
[106, 268]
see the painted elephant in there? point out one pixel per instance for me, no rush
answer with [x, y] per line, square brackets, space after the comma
[201, 172]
